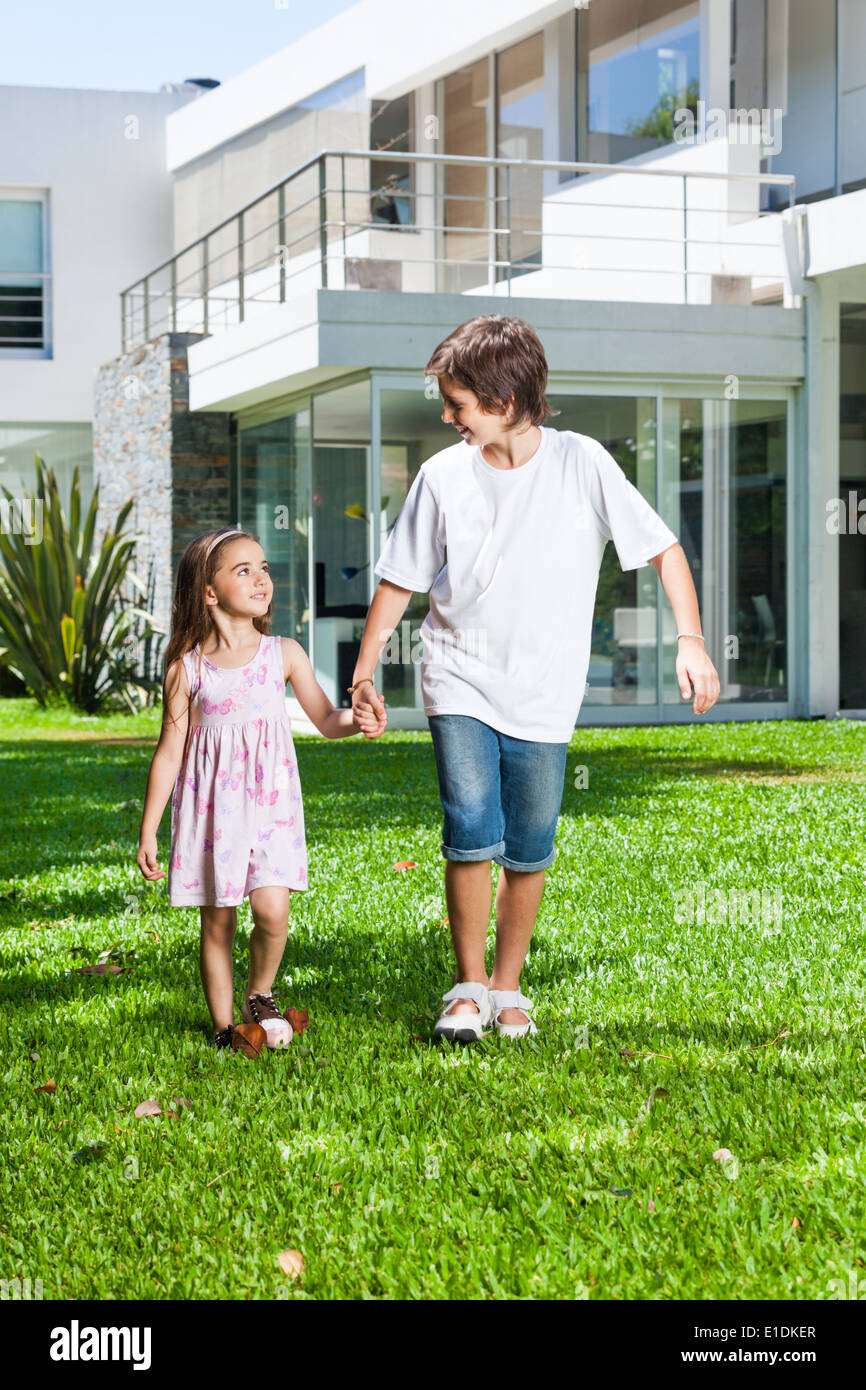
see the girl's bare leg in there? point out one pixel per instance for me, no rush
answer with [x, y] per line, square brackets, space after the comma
[270, 909]
[218, 926]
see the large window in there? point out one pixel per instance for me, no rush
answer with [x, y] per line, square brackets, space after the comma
[466, 242]
[724, 495]
[391, 179]
[520, 136]
[274, 503]
[478, 201]
[638, 61]
[719, 481]
[341, 533]
[24, 300]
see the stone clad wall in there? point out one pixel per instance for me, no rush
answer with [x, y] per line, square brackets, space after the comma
[147, 445]
[132, 438]
[201, 451]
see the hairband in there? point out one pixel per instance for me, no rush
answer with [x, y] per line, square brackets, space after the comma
[221, 537]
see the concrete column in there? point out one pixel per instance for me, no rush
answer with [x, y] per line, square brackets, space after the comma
[560, 131]
[715, 16]
[822, 378]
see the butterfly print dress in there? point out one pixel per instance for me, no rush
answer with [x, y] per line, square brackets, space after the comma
[237, 819]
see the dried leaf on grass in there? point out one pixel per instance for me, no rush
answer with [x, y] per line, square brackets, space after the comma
[405, 864]
[658, 1093]
[50, 1087]
[103, 968]
[299, 1019]
[147, 1107]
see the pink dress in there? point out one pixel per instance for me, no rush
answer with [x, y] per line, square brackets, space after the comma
[237, 820]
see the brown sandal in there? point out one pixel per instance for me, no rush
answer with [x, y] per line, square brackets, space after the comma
[261, 1009]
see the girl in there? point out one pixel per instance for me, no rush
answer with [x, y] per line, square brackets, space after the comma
[225, 748]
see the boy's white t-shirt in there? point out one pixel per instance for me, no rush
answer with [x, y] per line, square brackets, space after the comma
[507, 638]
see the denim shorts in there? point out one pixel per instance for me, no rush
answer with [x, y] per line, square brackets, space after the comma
[501, 796]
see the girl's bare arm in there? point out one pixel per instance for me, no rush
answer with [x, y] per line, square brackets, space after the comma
[165, 766]
[330, 722]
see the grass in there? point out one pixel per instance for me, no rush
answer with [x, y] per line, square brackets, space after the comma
[575, 1165]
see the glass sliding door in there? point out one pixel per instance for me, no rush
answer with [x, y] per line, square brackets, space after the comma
[852, 491]
[623, 658]
[274, 503]
[411, 431]
[725, 495]
[341, 533]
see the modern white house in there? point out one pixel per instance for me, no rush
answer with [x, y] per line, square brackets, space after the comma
[672, 194]
[85, 200]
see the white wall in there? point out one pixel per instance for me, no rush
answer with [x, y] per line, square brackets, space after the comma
[808, 126]
[109, 221]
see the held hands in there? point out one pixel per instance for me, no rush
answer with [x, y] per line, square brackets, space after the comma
[146, 858]
[694, 669]
[368, 711]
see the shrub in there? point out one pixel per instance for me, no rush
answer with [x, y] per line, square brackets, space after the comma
[70, 627]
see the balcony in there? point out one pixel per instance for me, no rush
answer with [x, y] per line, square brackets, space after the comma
[688, 227]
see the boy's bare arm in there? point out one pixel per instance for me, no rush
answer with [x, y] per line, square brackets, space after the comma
[388, 606]
[694, 667]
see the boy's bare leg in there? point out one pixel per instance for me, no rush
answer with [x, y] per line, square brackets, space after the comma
[468, 893]
[218, 926]
[518, 897]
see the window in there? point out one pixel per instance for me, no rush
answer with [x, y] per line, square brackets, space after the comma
[391, 129]
[23, 279]
[520, 136]
[63, 447]
[638, 62]
[274, 503]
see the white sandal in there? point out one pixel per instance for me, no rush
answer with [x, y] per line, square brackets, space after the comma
[511, 999]
[465, 1027]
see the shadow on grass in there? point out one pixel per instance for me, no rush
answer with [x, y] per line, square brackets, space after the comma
[366, 977]
[96, 792]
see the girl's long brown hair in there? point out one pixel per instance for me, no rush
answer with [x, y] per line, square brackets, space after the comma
[191, 621]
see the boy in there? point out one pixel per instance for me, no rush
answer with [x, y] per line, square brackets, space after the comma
[525, 512]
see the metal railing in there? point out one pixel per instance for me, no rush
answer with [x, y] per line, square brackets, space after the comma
[495, 226]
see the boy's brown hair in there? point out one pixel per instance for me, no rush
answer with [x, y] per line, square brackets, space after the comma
[496, 357]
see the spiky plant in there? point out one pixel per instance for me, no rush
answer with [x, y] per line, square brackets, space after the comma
[69, 623]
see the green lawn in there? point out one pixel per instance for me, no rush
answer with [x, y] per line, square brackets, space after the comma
[403, 1170]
